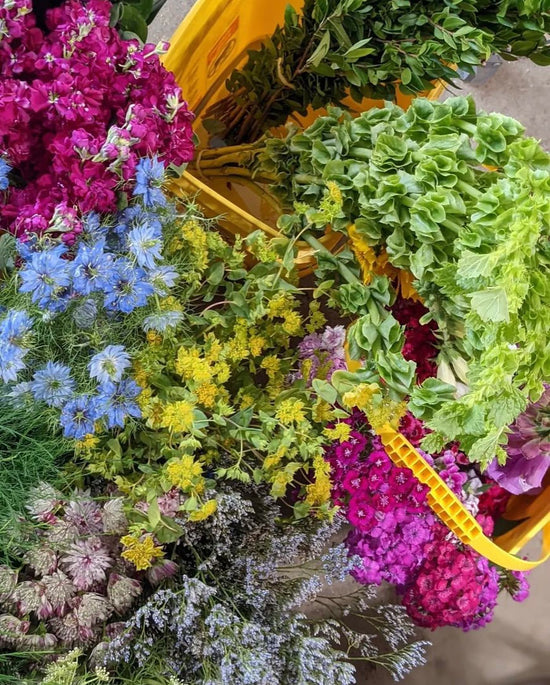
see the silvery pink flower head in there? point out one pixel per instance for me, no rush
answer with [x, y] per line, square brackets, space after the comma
[122, 591]
[86, 562]
[114, 518]
[42, 560]
[85, 514]
[528, 449]
[44, 501]
[59, 591]
[161, 570]
[91, 609]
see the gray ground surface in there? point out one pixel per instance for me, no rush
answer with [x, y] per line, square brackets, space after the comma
[515, 648]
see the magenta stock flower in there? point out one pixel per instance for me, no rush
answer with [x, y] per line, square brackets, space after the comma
[74, 134]
[528, 450]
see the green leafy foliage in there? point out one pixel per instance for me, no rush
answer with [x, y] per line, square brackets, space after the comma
[459, 198]
[361, 48]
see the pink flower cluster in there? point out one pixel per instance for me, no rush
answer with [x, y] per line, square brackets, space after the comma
[385, 504]
[399, 540]
[454, 586]
[420, 340]
[79, 107]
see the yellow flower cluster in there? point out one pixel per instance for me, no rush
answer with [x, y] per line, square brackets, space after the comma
[340, 432]
[202, 513]
[372, 264]
[186, 474]
[361, 396]
[291, 411]
[140, 551]
[177, 416]
[318, 493]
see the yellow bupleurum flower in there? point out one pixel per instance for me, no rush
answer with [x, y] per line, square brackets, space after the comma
[197, 238]
[206, 394]
[140, 551]
[361, 396]
[154, 339]
[340, 432]
[88, 442]
[192, 367]
[178, 416]
[318, 493]
[184, 473]
[279, 305]
[291, 411]
[292, 323]
[207, 509]
[257, 344]
[272, 365]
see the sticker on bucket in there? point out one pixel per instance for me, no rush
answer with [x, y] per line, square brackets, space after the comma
[223, 48]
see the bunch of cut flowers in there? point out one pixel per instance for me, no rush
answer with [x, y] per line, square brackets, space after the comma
[79, 107]
[194, 518]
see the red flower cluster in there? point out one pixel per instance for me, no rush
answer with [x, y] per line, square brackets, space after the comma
[420, 340]
[455, 586]
[79, 107]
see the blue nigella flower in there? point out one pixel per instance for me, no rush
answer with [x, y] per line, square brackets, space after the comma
[11, 361]
[20, 393]
[92, 228]
[92, 268]
[53, 384]
[45, 275]
[5, 169]
[145, 243]
[163, 278]
[110, 364]
[26, 249]
[127, 289]
[14, 326]
[116, 402]
[78, 417]
[162, 321]
[149, 178]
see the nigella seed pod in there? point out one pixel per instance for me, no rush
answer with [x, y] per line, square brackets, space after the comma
[85, 314]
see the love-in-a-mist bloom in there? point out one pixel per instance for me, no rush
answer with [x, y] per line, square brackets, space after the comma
[109, 364]
[53, 384]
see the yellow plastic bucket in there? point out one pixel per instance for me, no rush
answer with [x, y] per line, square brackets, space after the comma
[212, 40]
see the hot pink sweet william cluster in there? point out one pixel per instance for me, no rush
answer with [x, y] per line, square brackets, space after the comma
[454, 586]
[385, 504]
[79, 107]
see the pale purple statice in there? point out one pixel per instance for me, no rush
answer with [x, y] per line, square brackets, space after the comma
[86, 562]
[53, 384]
[528, 450]
[109, 364]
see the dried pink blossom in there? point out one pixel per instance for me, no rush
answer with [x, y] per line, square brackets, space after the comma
[86, 562]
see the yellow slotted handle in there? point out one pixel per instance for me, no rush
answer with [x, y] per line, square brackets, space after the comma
[450, 509]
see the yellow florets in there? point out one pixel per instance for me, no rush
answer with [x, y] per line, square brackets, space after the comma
[257, 344]
[318, 493]
[246, 401]
[206, 394]
[192, 367]
[178, 416]
[316, 317]
[279, 305]
[207, 509]
[272, 365]
[340, 432]
[291, 411]
[88, 442]
[184, 473]
[361, 396]
[140, 551]
[292, 323]
[322, 411]
[154, 339]
[196, 237]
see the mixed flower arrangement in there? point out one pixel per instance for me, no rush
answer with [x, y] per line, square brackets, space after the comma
[191, 457]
